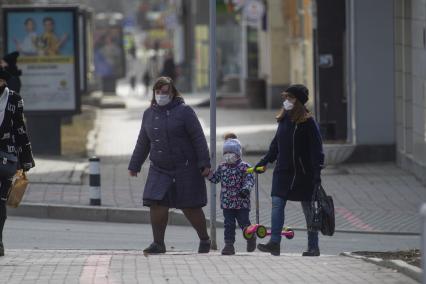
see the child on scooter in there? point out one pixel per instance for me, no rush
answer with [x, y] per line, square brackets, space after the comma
[236, 186]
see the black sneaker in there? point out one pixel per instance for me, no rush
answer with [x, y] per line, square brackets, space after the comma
[155, 248]
[251, 244]
[273, 248]
[1, 249]
[204, 246]
[311, 252]
[228, 249]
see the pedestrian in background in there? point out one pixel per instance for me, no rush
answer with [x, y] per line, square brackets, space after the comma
[169, 66]
[8, 62]
[172, 136]
[297, 148]
[236, 186]
[15, 147]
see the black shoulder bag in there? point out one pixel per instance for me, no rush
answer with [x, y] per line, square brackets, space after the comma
[321, 214]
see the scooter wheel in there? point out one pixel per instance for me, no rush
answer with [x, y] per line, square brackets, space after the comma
[261, 231]
[246, 235]
[289, 234]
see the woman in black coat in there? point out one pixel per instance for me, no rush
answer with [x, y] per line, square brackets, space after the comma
[15, 146]
[297, 148]
[179, 160]
[9, 64]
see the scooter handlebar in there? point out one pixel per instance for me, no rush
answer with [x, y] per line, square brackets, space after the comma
[258, 169]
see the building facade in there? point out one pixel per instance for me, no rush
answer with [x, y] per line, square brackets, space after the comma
[410, 85]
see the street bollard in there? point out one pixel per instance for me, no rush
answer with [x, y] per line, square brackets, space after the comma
[423, 245]
[95, 181]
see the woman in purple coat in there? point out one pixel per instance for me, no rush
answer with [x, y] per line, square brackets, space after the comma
[179, 160]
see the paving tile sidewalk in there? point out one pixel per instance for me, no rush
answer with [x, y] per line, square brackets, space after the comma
[368, 197]
[81, 266]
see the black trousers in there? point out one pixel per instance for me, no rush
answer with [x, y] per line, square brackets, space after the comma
[4, 189]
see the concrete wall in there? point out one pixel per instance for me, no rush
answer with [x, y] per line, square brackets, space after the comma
[410, 84]
[374, 61]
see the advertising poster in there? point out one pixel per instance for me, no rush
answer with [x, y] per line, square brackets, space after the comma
[47, 41]
[109, 54]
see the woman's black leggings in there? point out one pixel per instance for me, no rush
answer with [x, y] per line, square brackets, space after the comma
[4, 189]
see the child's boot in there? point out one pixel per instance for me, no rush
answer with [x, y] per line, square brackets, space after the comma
[251, 244]
[228, 249]
[272, 247]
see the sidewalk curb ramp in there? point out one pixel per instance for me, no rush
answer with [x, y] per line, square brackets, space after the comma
[401, 266]
[96, 213]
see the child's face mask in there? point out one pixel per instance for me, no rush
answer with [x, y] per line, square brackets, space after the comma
[230, 158]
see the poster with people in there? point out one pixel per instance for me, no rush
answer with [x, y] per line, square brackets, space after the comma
[109, 54]
[46, 39]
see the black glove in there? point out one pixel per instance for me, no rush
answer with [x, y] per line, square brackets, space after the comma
[244, 193]
[261, 163]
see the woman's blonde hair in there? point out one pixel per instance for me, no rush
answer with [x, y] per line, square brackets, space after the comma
[165, 81]
[297, 114]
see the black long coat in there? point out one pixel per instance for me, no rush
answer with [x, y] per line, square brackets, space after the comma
[178, 151]
[14, 132]
[297, 148]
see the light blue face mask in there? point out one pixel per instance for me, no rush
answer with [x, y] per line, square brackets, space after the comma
[162, 99]
[288, 105]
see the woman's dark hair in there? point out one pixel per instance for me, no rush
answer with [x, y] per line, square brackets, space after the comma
[297, 114]
[165, 81]
[29, 20]
[48, 19]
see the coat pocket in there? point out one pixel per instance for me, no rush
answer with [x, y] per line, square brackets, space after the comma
[158, 183]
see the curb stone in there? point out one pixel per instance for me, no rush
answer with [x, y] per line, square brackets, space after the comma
[401, 266]
[96, 213]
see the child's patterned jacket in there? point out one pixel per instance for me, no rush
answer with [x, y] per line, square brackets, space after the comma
[236, 184]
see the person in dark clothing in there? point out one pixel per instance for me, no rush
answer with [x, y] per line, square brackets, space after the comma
[9, 64]
[297, 149]
[146, 79]
[173, 138]
[169, 67]
[14, 145]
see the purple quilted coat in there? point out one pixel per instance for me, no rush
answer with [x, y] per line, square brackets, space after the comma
[173, 138]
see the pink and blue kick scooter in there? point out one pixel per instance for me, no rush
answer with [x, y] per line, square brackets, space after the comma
[257, 228]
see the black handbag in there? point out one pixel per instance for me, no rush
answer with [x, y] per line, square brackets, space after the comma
[321, 214]
[8, 164]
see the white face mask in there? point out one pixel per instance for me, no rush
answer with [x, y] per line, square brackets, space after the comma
[288, 105]
[162, 100]
[230, 158]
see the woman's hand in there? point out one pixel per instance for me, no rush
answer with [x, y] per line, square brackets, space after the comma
[133, 174]
[205, 172]
[259, 165]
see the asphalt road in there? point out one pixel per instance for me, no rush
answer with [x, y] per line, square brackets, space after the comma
[31, 233]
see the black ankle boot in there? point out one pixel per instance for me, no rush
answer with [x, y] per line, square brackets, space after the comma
[228, 249]
[251, 244]
[271, 247]
[155, 248]
[311, 252]
[1, 249]
[204, 246]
